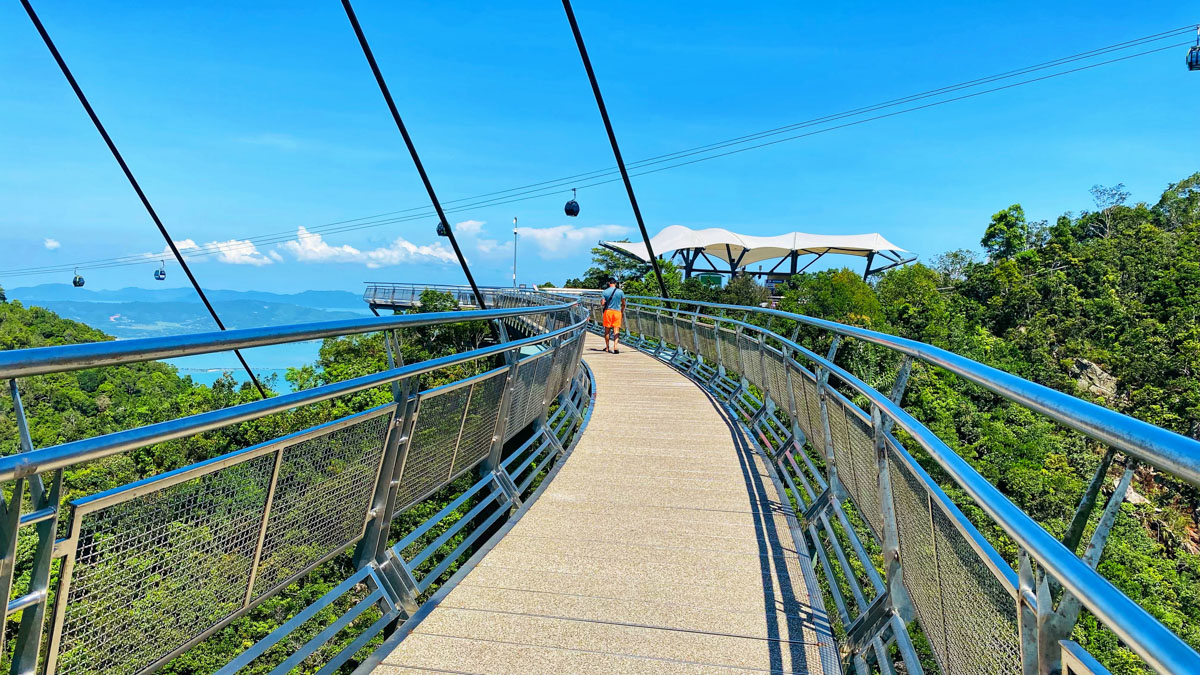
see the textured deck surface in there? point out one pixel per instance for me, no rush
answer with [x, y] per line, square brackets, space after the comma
[660, 547]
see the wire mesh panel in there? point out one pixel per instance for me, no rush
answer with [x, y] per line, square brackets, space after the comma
[430, 457]
[479, 426]
[556, 380]
[777, 379]
[527, 398]
[918, 553]
[981, 614]
[811, 418]
[708, 345]
[154, 571]
[729, 352]
[836, 414]
[633, 322]
[655, 325]
[864, 467]
[322, 495]
[687, 337]
[751, 363]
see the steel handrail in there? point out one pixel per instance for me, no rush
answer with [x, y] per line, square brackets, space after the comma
[1148, 637]
[43, 360]
[1165, 449]
[67, 454]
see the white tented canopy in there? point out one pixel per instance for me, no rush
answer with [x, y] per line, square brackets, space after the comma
[740, 250]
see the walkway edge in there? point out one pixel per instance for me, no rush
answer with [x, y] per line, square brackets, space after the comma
[816, 596]
[375, 659]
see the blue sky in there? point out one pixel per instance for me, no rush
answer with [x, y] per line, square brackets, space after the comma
[245, 120]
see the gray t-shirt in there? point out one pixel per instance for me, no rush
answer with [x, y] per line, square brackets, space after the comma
[613, 297]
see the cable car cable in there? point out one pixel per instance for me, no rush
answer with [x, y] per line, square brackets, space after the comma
[334, 226]
[356, 224]
[412, 150]
[132, 181]
[612, 139]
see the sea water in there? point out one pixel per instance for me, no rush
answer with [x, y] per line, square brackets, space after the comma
[266, 361]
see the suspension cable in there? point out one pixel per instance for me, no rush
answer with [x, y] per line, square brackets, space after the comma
[443, 223]
[133, 182]
[553, 187]
[612, 139]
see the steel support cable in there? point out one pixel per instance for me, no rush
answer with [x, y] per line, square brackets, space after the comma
[612, 139]
[333, 227]
[412, 150]
[62, 64]
[356, 224]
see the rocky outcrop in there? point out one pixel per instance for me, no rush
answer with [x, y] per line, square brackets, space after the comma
[1094, 379]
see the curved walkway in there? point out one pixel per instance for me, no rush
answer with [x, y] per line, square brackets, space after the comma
[660, 547]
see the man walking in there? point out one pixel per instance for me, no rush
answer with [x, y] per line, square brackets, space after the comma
[613, 302]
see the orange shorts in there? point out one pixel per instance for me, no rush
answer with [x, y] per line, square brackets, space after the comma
[612, 319]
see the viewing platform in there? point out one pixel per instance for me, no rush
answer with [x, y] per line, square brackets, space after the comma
[717, 498]
[661, 546]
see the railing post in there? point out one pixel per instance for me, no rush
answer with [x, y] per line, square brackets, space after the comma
[766, 406]
[741, 360]
[698, 358]
[1056, 624]
[492, 463]
[717, 341]
[798, 435]
[1027, 610]
[675, 329]
[44, 500]
[892, 564]
[822, 398]
[374, 543]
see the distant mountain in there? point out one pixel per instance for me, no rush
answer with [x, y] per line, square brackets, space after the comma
[141, 312]
[44, 293]
[147, 319]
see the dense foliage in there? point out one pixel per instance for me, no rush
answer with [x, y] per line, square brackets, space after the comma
[63, 407]
[1103, 305]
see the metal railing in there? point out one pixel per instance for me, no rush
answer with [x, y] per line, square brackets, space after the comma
[389, 294]
[379, 294]
[858, 493]
[149, 569]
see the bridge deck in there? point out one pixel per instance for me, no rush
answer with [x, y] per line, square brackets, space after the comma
[660, 547]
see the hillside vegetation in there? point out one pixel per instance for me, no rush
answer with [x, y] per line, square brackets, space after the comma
[1103, 305]
[69, 406]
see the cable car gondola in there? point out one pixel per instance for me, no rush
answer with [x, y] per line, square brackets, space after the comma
[161, 273]
[77, 282]
[572, 207]
[1193, 56]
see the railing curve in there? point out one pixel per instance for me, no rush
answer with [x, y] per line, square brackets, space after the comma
[979, 614]
[142, 572]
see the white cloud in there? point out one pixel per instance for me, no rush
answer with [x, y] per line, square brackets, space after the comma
[231, 252]
[490, 246]
[311, 247]
[275, 256]
[561, 241]
[51, 244]
[239, 252]
[469, 228]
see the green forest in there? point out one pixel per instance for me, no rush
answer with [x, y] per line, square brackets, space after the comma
[1103, 304]
[69, 406]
